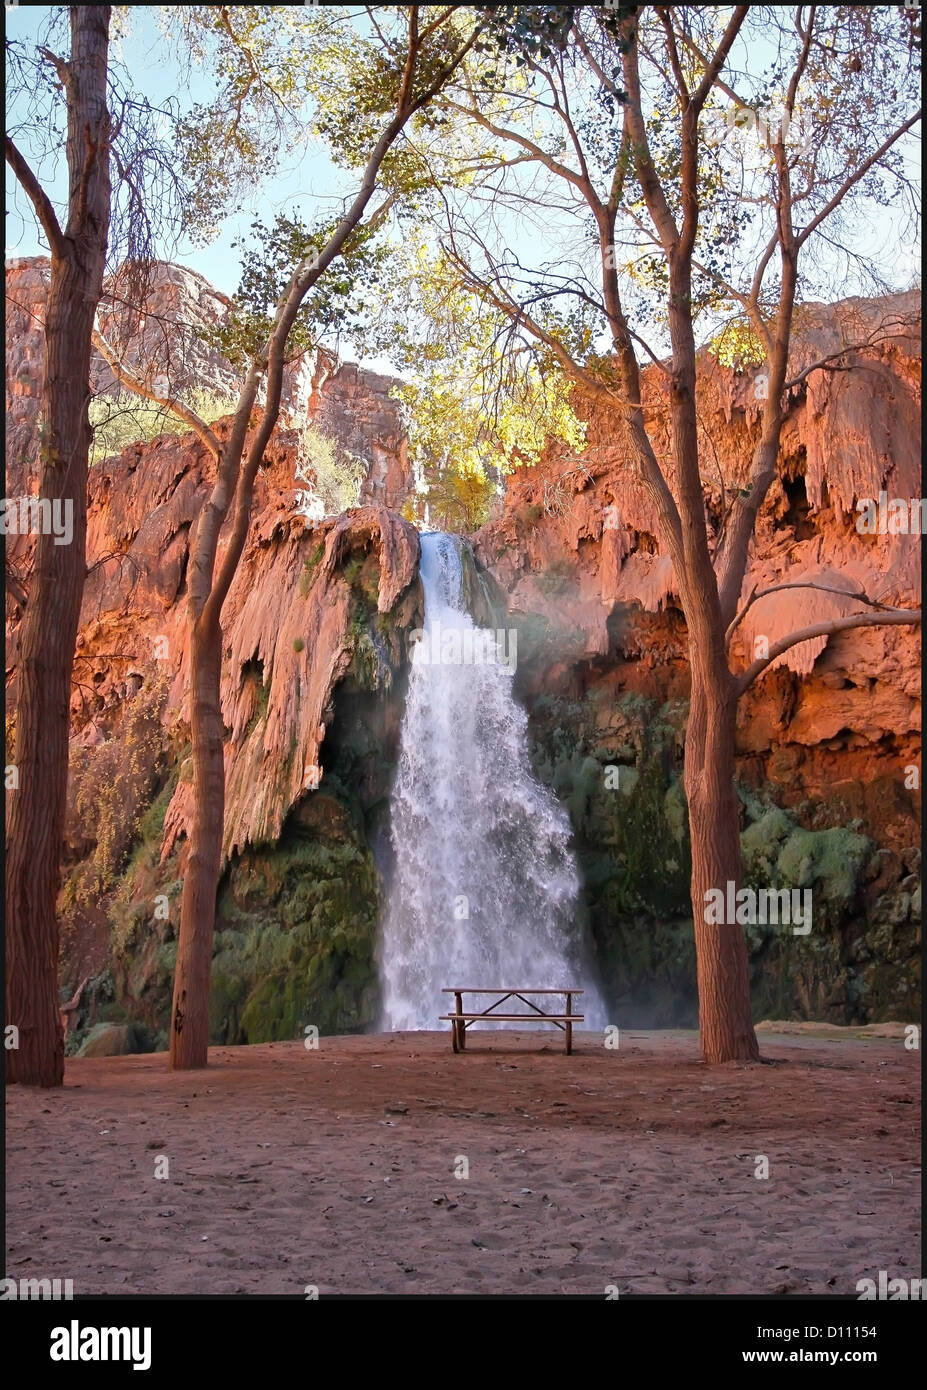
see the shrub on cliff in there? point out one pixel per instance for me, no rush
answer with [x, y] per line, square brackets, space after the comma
[123, 419]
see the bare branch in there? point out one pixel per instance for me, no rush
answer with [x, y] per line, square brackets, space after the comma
[673, 52]
[875, 339]
[857, 596]
[717, 62]
[177, 407]
[886, 617]
[854, 178]
[533, 149]
[38, 197]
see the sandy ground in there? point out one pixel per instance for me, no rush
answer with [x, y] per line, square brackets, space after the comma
[336, 1168]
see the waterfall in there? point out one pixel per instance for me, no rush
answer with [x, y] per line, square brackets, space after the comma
[485, 887]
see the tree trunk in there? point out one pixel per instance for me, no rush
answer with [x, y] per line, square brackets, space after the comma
[48, 635]
[190, 1007]
[208, 591]
[725, 1016]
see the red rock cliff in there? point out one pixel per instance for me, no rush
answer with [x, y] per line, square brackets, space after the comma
[576, 543]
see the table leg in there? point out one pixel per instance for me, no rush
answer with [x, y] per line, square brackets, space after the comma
[461, 1026]
[569, 1027]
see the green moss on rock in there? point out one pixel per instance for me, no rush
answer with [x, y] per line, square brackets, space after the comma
[295, 939]
[858, 964]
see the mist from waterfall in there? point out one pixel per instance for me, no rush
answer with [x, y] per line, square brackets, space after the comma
[485, 887]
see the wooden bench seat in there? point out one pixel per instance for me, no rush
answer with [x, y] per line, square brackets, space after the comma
[517, 1018]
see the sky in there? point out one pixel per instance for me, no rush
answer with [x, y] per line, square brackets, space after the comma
[306, 179]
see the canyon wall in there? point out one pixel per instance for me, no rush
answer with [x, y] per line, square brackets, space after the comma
[829, 743]
[164, 345]
[317, 640]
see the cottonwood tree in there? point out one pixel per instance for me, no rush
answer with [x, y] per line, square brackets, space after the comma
[48, 634]
[368, 84]
[603, 123]
[124, 197]
[481, 403]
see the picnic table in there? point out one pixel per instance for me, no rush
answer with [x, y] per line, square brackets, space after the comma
[462, 1019]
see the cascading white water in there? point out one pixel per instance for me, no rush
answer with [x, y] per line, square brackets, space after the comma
[485, 885]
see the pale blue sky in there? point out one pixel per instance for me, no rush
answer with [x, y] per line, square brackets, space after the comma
[306, 179]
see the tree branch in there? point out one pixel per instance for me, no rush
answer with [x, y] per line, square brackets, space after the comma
[756, 595]
[651, 187]
[134, 383]
[38, 197]
[717, 62]
[886, 617]
[854, 178]
[872, 341]
[533, 149]
[673, 53]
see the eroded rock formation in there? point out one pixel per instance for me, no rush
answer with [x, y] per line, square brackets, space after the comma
[164, 344]
[829, 742]
[317, 636]
[576, 547]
